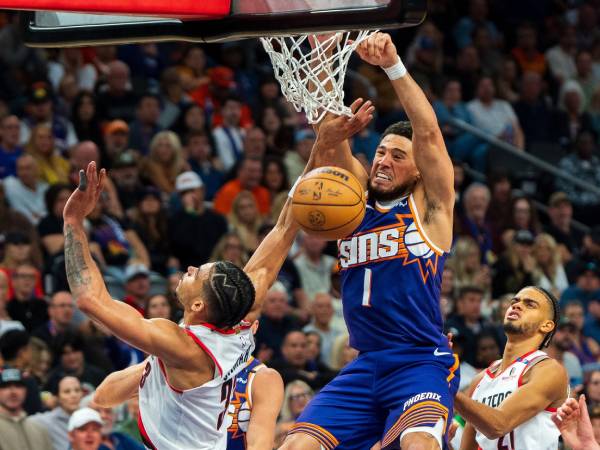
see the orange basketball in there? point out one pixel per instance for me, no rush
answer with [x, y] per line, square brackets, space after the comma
[329, 202]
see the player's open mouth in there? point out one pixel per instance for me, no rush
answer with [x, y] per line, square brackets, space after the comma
[382, 176]
[513, 315]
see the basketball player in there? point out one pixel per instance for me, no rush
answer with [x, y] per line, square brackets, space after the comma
[185, 386]
[397, 390]
[511, 403]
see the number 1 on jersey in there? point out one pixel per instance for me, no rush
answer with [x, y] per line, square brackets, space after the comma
[366, 300]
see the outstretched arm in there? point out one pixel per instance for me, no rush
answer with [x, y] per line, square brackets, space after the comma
[267, 398]
[120, 386]
[159, 337]
[537, 394]
[573, 421]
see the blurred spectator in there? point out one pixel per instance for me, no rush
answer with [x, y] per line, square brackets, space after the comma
[587, 79]
[70, 62]
[270, 121]
[269, 96]
[499, 210]
[294, 364]
[341, 352]
[17, 430]
[274, 323]
[192, 120]
[321, 323]
[116, 138]
[487, 350]
[314, 267]
[195, 219]
[128, 425]
[571, 118]
[560, 349]
[85, 118]
[313, 346]
[50, 228]
[295, 160]
[255, 143]
[159, 307]
[472, 220]
[40, 112]
[68, 394]
[115, 98]
[229, 136]
[126, 175]
[592, 388]
[18, 251]
[60, 312]
[508, 81]
[487, 48]
[296, 397]
[16, 353]
[149, 221]
[561, 57]
[6, 322]
[549, 271]
[40, 361]
[230, 248]
[10, 149]
[69, 355]
[526, 52]
[202, 161]
[427, 58]
[174, 97]
[137, 287]
[587, 25]
[462, 146]
[583, 165]
[245, 219]
[447, 290]
[248, 178]
[568, 238]
[12, 220]
[84, 428]
[594, 109]
[24, 306]
[193, 68]
[275, 176]
[467, 267]
[587, 284]
[477, 17]
[145, 125]
[516, 266]
[585, 348]
[523, 216]
[591, 327]
[533, 109]
[25, 193]
[466, 320]
[53, 167]
[111, 438]
[164, 162]
[495, 116]
[468, 70]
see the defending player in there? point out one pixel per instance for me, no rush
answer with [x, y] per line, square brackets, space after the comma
[397, 390]
[186, 384]
[573, 421]
[254, 407]
[512, 401]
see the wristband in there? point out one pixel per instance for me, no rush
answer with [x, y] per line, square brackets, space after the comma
[396, 71]
[293, 189]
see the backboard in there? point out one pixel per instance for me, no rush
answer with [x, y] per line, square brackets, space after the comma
[60, 23]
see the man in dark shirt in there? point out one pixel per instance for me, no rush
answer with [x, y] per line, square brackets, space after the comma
[31, 311]
[60, 311]
[115, 99]
[560, 227]
[195, 219]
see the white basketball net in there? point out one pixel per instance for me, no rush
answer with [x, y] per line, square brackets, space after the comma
[312, 79]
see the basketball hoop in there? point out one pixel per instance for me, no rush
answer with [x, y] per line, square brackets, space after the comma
[312, 76]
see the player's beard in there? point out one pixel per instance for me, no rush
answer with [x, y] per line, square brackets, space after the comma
[522, 329]
[386, 196]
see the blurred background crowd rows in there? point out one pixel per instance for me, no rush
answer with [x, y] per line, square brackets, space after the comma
[201, 149]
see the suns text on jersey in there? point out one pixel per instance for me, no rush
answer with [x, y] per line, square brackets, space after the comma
[380, 244]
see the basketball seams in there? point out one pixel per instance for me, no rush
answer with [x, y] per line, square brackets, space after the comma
[360, 196]
[339, 226]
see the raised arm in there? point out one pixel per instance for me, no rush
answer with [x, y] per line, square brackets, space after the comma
[431, 156]
[267, 398]
[547, 385]
[119, 386]
[159, 337]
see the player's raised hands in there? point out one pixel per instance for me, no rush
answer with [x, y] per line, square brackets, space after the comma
[333, 130]
[573, 422]
[379, 50]
[83, 200]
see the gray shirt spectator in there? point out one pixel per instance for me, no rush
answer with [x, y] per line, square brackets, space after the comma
[25, 193]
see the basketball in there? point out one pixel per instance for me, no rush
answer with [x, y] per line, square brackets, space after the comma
[329, 202]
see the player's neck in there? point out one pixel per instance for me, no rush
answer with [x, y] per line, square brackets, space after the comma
[515, 349]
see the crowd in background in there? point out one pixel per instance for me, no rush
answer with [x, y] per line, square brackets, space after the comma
[201, 148]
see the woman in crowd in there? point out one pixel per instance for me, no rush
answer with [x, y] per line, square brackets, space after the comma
[468, 269]
[68, 394]
[516, 266]
[230, 248]
[159, 307]
[275, 177]
[6, 322]
[341, 352]
[41, 360]
[164, 162]
[523, 216]
[202, 160]
[488, 350]
[245, 220]
[592, 388]
[296, 397]
[53, 168]
[550, 273]
[585, 348]
[85, 118]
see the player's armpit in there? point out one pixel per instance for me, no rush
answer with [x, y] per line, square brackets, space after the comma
[120, 386]
[468, 441]
[267, 398]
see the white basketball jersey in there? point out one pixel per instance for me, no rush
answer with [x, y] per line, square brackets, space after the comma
[538, 433]
[171, 419]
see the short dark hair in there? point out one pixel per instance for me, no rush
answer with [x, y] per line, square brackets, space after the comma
[72, 339]
[555, 314]
[403, 128]
[54, 385]
[470, 289]
[12, 342]
[52, 194]
[229, 293]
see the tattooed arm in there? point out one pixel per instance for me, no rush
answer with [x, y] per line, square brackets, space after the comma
[159, 337]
